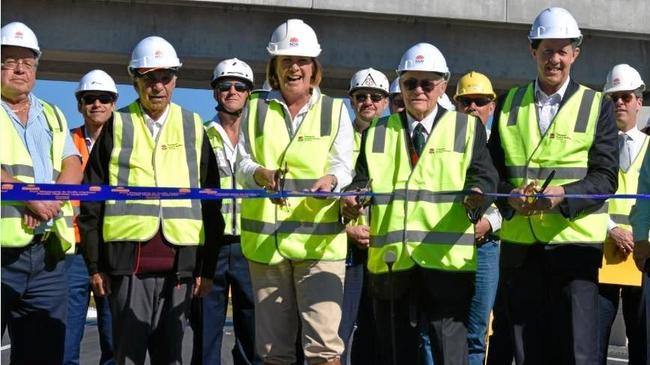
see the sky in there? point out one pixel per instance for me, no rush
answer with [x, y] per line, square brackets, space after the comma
[61, 93]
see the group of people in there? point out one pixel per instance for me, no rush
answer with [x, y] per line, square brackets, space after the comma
[407, 267]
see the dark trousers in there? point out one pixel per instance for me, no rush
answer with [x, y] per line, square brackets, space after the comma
[645, 314]
[34, 300]
[608, 298]
[78, 298]
[149, 314]
[364, 349]
[208, 315]
[444, 297]
[552, 302]
[500, 343]
[352, 292]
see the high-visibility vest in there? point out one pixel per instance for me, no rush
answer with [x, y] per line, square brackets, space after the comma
[356, 150]
[421, 227]
[308, 228]
[564, 148]
[617, 269]
[17, 161]
[230, 208]
[171, 160]
[79, 140]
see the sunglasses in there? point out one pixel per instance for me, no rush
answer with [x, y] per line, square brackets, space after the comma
[398, 103]
[480, 101]
[426, 85]
[103, 98]
[164, 76]
[375, 97]
[625, 97]
[226, 85]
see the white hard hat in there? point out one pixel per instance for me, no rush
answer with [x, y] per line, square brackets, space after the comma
[423, 57]
[394, 87]
[294, 38]
[153, 52]
[555, 23]
[446, 103]
[96, 80]
[233, 67]
[623, 78]
[19, 35]
[369, 78]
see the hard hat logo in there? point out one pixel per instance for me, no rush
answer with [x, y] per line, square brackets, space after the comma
[616, 82]
[369, 81]
[158, 54]
[419, 59]
[18, 35]
[294, 42]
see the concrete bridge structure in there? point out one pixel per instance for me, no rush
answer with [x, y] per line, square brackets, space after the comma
[487, 35]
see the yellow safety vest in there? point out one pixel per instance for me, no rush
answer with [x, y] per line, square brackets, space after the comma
[230, 208]
[617, 269]
[421, 227]
[17, 161]
[531, 156]
[172, 160]
[308, 228]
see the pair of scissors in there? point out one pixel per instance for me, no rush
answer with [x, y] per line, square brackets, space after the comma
[538, 194]
[364, 200]
[280, 178]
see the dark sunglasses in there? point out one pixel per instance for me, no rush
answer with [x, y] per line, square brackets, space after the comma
[480, 101]
[226, 85]
[103, 98]
[399, 103]
[626, 97]
[165, 76]
[426, 85]
[375, 97]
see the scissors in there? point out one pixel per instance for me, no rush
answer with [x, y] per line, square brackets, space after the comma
[364, 200]
[281, 177]
[536, 196]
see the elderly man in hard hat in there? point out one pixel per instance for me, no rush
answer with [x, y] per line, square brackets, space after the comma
[422, 257]
[619, 278]
[369, 97]
[475, 96]
[96, 95]
[294, 139]
[144, 254]
[558, 137]
[35, 147]
[232, 82]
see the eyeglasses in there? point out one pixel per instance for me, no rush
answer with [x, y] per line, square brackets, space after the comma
[480, 101]
[627, 97]
[361, 97]
[226, 85]
[426, 85]
[12, 63]
[103, 98]
[164, 76]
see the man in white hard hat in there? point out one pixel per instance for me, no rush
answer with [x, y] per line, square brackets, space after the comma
[295, 138]
[618, 277]
[96, 95]
[144, 254]
[422, 256]
[556, 136]
[232, 82]
[369, 97]
[396, 101]
[35, 147]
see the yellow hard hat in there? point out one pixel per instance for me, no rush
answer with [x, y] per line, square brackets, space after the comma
[474, 83]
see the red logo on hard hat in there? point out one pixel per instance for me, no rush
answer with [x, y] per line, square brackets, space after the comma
[294, 42]
[18, 35]
[419, 58]
[158, 54]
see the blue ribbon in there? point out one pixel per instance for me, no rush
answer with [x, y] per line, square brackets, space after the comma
[22, 192]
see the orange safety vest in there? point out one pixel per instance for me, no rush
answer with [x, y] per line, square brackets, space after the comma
[79, 140]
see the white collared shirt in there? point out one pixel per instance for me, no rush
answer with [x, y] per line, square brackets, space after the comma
[548, 105]
[155, 125]
[427, 123]
[340, 156]
[89, 141]
[229, 151]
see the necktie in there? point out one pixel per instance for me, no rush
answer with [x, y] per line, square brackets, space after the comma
[418, 139]
[625, 159]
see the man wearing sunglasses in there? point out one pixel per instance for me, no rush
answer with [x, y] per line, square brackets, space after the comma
[396, 102]
[144, 254]
[35, 147]
[232, 81]
[96, 95]
[555, 130]
[422, 256]
[619, 278]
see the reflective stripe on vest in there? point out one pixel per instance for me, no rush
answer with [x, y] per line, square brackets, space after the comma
[421, 227]
[307, 228]
[618, 268]
[17, 161]
[531, 156]
[230, 208]
[172, 160]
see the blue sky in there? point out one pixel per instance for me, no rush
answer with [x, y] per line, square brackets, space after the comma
[61, 93]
